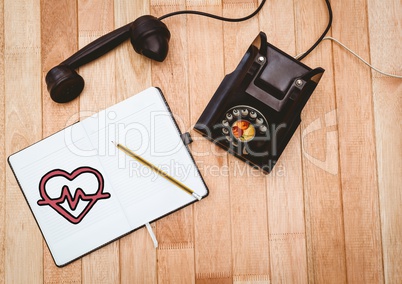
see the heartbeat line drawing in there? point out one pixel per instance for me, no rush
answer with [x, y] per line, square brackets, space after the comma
[66, 196]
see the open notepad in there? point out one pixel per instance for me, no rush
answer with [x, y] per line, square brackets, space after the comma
[84, 192]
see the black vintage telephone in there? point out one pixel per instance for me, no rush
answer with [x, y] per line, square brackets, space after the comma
[256, 109]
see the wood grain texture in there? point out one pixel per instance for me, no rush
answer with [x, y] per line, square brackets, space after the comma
[357, 152]
[175, 232]
[2, 150]
[211, 217]
[248, 204]
[387, 107]
[329, 212]
[384, 22]
[133, 74]
[96, 18]
[319, 137]
[385, 34]
[23, 263]
[58, 41]
[287, 236]
[133, 71]
[138, 258]
[176, 264]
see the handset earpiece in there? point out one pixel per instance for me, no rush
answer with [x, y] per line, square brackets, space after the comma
[149, 36]
[63, 83]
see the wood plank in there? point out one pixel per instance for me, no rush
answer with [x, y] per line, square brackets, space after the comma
[96, 18]
[277, 21]
[248, 196]
[287, 235]
[176, 264]
[133, 71]
[2, 150]
[174, 68]
[212, 231]
[357, 146]
[23, 241]
[133, 74]
[387, 107]
[175, 232]
[58, 41]
[323, 193]
[138, 258]
[218, 279]
[384, 18]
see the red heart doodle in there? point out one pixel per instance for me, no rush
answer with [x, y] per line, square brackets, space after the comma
[65, 195]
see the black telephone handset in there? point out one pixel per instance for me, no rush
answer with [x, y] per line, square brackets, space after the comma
[256, 109]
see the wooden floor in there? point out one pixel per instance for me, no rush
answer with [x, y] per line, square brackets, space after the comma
[331, 210]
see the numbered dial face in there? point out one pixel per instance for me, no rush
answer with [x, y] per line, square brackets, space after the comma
[243, 124]
[243, 130]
